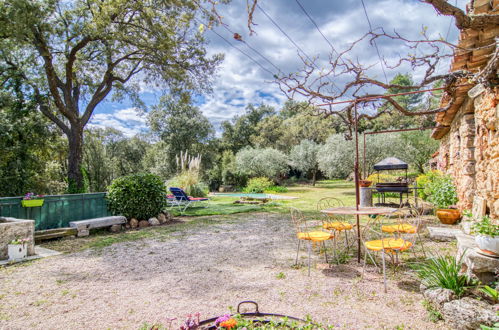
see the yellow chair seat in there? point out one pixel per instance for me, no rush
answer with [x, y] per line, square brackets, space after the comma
[388, 244]
[399, 228]
[315, 236]
[337, 226]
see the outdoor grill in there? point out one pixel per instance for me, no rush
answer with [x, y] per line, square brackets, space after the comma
[390, 164]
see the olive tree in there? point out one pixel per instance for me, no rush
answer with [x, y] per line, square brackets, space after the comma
[304, 157]
[71, 55]
[268, 162]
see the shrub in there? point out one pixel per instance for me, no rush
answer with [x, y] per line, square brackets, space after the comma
[442, 192]
[443, 272]
[189, 177]
[277, 189]
[486, 227]
[137, 196]
[258, 185]
[424, 180]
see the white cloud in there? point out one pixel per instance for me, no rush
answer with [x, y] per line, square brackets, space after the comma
[130, 121]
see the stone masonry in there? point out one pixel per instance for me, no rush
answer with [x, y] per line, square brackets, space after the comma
[10, 229]
[469, 130]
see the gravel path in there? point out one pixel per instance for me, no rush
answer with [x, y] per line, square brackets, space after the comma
[204, 270]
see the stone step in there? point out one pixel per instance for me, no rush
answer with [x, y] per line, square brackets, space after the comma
[444, 234]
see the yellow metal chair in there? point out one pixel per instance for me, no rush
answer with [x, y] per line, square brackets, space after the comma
[335, 223]
[409, 223]
[306, 230]
[392, 244]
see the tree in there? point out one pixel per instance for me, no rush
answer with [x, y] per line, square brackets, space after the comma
[181, 126]
[336, 157]
[27, 143]
[268, 162]
[420, 147]
[236, 134]
[303, 157]
[71, 55]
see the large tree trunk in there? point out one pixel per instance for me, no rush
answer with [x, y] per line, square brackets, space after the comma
[75, 177]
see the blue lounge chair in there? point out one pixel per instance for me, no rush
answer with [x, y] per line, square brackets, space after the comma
[182, 201]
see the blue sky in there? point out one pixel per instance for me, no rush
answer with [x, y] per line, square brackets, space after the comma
[240, 81]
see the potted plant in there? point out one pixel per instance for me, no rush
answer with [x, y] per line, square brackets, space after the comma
[443, 195]
[365, 183]
[487, 236]
[18, 249]
[32, 200]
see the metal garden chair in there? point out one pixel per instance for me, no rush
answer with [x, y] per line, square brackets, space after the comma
[306, 230]
[335, 223]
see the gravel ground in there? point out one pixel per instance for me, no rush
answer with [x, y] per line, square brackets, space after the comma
[206, 270]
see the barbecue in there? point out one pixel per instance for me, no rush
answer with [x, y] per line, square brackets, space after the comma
[402, 187]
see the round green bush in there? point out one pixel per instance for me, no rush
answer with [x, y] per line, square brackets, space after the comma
[258, 185]
[138, 196]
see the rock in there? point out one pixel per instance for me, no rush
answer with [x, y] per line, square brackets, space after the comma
[469, 313]
[474, 264]
[476, 90]
[444, 234]
[134, 223]
[439, 296]
[127, 226]
[115, 228]
[143, 223]
[162, 218]
[153, 221]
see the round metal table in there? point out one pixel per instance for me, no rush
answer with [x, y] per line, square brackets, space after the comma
[352, 210]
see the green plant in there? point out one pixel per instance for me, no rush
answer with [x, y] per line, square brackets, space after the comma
[189, 176]
[433, 314]
[138, 196]
[258, 185]
[442, 192]
[492, 293]
[424, 180]
[443, 272]
[280, 276]
[277, 189]
[486, 227]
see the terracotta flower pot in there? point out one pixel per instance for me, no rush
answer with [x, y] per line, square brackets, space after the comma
[448, 216]
[365, 183]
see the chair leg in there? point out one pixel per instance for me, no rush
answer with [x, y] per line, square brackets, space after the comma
[422, 245]
[364, 266]
[325, 252]
[297, 251]
[335, 255]
[384, 268]
[346, 238]
[309, 248]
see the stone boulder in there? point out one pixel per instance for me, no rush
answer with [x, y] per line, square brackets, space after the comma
[115, 228]
[143, 223]
[153, 221]
[469, 313]
[134, 223]
[438, 296]
[162, 218]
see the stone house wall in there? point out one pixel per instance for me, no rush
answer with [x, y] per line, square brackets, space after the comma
[469, 152]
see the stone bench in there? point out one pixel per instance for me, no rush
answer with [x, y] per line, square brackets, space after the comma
[83, 226]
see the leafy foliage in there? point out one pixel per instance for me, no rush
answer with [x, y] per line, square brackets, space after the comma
[138, 196]
[276, 189]
[443, 192]
[486, 227]
[443, 272]
[424, 181]
[258, 185]
[267, 162]
[189, 177]
[304, 157]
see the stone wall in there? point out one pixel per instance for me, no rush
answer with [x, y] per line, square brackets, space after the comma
[469, 152]
[10, 229]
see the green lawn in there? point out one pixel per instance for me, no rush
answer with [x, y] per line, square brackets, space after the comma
[308, 196]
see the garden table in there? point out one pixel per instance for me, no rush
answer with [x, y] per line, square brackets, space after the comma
[358, 211]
